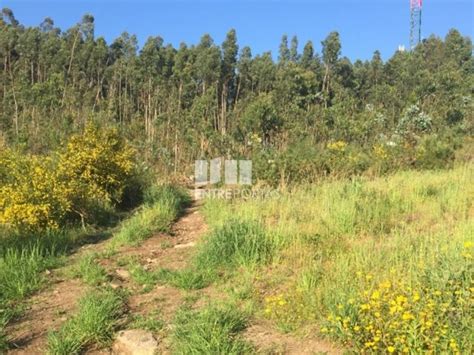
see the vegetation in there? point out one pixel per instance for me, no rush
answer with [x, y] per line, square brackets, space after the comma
[162, 204]
[301, 117]
[366, 240]
[380, 264]
[211, 330]
[94, 323]
[86, 180]
[25, 257]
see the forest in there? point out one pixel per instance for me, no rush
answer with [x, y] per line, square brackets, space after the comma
[294, 117]
[365, 244]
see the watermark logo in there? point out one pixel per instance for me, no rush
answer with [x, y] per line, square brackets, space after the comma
[233, 178]
[235, 172]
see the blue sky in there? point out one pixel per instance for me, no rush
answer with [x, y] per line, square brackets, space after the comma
[364, 25]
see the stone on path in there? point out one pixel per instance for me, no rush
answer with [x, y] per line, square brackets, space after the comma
[135, 342]
[187, 245]
[123, 274]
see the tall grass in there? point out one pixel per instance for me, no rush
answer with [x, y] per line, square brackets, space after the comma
[23, 259]
[339, 241]
[162, 205]
[211, 330]
[94, 323]
[89, 271]
[235, 244]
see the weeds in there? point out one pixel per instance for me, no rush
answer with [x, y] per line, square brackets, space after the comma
[162, 205]
[89, 271]
[211, 330]
[235, 244]
[94, 323]
[335, 246]
[150, 322]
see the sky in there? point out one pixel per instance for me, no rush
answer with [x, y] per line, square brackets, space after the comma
[364, 25]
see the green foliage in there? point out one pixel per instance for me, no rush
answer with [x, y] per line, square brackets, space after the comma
[94, 323]
[23, 259]
[235, 244]
[162, 204]
[40, 193]
[89, 271]
[150, 322]
[377, 264]
[211, 330]
[176, 105]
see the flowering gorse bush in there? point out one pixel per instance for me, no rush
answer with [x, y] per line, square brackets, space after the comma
[31, 195]
[39, 192]
[97, 166]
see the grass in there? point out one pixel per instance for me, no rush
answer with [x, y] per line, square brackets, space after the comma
[94, 323]
[89, 271]
[342, 251]
[150, 322]
[162, 205]
[237, 244]
[211, 330]
[23, 259]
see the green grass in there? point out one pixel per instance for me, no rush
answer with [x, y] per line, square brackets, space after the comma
[89, 271]
[235, 243]
[211, 330]
[23, 259]
[93, 324]
[150, 322]
[162, 205]
[334, 243]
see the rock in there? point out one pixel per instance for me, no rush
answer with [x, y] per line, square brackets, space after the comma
[187, 245]
[135, 342]
[123, 274]
[114, 285]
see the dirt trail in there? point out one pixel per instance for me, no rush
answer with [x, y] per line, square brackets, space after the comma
[51, 307]
[48, 309]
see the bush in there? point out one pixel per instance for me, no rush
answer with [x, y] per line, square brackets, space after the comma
[97, 167]
[433, 152]
[32, 196]
[398, 317]
[86, 180]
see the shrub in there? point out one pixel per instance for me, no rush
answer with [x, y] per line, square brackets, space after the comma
[398, 317]
[31, 195]
[433, 152]
[97, 166]
[87, 179]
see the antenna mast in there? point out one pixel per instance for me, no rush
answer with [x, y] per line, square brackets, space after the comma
[415, 22]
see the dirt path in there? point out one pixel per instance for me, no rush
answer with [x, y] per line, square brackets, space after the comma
[48, 309]
[52, 306]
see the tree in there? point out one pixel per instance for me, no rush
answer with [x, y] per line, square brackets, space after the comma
[294, 49]
[331, 51]
[308, 55]
[284, 52]
[228, 85]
